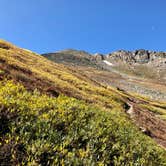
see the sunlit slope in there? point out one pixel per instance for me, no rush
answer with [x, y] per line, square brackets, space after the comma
[45, 127]
[41, 130]
[35, 71]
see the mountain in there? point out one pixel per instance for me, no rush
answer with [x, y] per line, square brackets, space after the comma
[151, 58]
[75, 58]
[56, 114]
[139, 71]
[144, 63]
[139, 56]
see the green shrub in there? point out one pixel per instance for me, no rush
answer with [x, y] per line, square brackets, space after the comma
[44, 130]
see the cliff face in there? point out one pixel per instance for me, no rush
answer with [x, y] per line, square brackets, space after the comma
[138, 56]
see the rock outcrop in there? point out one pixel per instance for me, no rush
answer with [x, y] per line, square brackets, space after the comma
[139, 56]
[98, 57]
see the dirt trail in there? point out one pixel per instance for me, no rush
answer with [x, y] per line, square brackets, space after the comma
[146, 120]
[148, 123]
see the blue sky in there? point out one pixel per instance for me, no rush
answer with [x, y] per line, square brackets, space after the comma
[92, 25]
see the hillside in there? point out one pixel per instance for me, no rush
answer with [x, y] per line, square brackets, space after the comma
[144, 58]
[51, 114]
[75, 58]
[143, 63]
[140, 71]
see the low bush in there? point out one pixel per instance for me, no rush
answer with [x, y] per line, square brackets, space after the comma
[42, 130]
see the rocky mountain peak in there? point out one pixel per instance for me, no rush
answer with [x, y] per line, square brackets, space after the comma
[140, 56]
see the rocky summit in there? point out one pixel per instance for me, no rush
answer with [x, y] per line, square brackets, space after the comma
[139, 56]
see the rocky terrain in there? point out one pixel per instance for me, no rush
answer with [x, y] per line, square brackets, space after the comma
[130, 57]
[140, 71]
[139, 56]
[150, 63]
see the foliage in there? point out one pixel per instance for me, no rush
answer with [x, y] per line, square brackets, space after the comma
[41, 130]
[29, 68]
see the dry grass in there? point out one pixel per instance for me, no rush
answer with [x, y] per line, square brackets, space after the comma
[34, 71]
[22, 65]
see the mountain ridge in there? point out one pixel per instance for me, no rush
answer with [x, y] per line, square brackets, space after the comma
[133, 54]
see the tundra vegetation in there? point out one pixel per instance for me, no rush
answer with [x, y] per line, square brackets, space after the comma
[53, 115]
[37, 129]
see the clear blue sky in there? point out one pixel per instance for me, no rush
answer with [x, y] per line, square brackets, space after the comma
[92, 25]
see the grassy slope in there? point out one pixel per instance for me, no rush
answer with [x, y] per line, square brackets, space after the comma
[41, 129]
[72, 57]
[26, 67]
[38, 129]
[102, 76]
[143, 71]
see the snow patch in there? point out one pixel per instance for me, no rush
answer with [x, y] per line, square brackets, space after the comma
[108, 63]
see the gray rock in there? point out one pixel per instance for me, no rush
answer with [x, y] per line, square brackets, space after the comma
[142, 56]
[98, 57]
